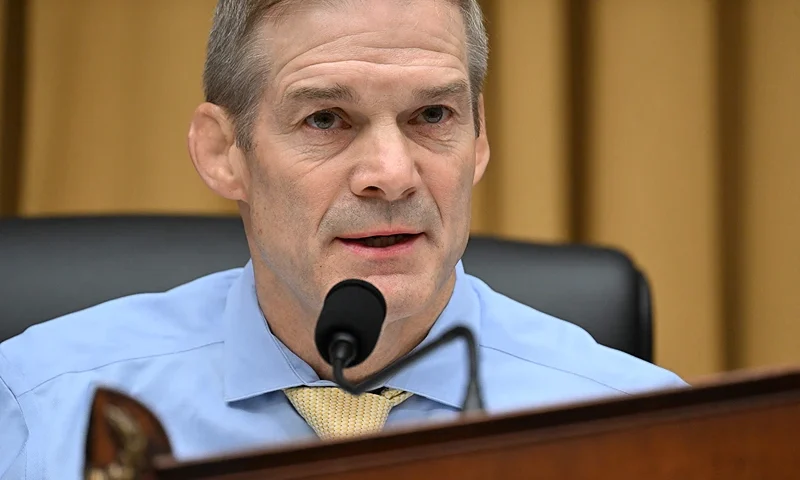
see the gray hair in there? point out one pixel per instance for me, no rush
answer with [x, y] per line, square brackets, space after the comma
[235, 71]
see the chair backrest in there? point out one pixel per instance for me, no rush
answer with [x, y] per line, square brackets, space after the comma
[53, 266]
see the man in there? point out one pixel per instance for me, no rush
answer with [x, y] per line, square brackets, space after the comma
[351, 134]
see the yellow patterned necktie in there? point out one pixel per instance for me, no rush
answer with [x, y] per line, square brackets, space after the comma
[334, 413]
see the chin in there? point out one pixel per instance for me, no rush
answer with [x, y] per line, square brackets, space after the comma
[396, 287]
[402, 308]
[407, 296]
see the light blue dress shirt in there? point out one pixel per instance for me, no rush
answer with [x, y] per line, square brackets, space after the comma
[202, 358]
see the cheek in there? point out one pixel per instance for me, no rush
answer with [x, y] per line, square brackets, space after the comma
[291, 202]
[452, 187]
[283, 211]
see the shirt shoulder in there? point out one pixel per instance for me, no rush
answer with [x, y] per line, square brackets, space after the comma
[535, 345]
[186, 317]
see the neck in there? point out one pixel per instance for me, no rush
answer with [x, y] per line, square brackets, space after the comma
[294, 326]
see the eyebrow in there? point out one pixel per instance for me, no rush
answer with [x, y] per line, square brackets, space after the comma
[342, 93]
[333, 93]
[458, 88]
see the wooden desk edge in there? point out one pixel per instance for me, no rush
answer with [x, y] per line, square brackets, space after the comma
[738, 390]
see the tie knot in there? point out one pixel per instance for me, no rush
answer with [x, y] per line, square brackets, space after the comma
[334, 413]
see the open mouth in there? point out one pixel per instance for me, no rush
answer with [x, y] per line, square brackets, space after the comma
[382, 241]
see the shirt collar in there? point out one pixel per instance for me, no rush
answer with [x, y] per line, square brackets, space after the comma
[256, 362]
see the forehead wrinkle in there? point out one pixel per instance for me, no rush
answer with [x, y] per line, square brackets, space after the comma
[376, 49]
[375, 71]
[454, 44]
[341, 50]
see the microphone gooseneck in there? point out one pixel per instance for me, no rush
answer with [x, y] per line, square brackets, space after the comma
[348, 329]
[473, 400]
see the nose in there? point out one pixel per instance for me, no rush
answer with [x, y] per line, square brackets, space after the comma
[386, 169]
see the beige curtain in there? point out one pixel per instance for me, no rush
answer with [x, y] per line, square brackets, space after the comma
[667, 128]
[112, 85]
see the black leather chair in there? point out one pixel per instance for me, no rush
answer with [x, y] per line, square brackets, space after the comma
[53, 266]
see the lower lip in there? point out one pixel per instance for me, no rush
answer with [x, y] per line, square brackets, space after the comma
[386, 252]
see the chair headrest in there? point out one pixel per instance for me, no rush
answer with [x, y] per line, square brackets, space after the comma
[53, 266]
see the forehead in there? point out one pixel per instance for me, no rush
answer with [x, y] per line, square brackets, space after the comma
[320, 36]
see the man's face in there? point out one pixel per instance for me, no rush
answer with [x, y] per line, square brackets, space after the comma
[365, 152]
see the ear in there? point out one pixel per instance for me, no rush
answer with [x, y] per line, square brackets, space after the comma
[482, 152]
[215, 155]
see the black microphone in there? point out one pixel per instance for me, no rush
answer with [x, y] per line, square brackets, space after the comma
[348, 329]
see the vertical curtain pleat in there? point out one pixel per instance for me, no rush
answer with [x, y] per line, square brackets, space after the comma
[526, 95]
[13, 51]
[770, 180]
[651, 164]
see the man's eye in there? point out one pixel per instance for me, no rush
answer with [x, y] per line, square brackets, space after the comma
[433, 115]
[323, 120]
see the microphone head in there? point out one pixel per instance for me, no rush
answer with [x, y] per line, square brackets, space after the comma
[355, 307]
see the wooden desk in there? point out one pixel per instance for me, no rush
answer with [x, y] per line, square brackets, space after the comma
[737, 427]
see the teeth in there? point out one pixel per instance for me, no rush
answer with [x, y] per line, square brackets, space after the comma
[382, 242]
